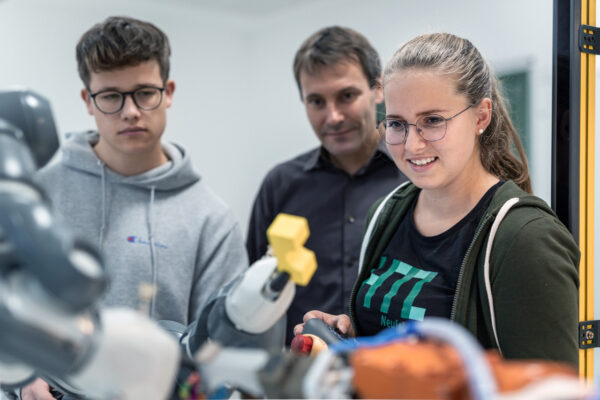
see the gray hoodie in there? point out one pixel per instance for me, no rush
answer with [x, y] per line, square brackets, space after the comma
[164, 226]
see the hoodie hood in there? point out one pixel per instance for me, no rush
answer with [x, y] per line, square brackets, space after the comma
[78, 154]
[511, 190]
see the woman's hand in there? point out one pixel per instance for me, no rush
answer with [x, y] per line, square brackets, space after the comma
[37, 390]
[340, 322]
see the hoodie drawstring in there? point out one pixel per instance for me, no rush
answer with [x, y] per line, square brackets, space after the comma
[152, 252]
[104, 203]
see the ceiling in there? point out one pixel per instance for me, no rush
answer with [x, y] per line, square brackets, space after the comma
[254, 8]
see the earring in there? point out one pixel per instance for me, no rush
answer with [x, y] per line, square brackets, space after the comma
[480, 131]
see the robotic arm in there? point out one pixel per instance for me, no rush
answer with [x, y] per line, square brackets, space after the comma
[250, 311]
[50, 284]
[40, 263]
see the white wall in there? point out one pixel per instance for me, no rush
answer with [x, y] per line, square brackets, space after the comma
[236, 106]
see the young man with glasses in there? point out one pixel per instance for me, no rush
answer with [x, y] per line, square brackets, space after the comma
[137, 198]
[338, 75]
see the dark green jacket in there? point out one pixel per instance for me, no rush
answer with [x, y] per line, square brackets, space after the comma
[532, 273]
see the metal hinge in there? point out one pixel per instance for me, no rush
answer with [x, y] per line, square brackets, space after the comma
[588, 334]
[589, 39]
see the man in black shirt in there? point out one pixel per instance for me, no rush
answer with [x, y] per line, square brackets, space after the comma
[339, 77]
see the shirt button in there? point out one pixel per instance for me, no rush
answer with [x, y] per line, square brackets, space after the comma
[350, 219]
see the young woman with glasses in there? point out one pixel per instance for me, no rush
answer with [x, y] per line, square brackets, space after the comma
[466, 239]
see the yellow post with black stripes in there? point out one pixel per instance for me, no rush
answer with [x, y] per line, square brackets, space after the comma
[586, 188]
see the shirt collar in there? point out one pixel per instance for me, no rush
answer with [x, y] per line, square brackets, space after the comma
[313, 161]
[319, 158]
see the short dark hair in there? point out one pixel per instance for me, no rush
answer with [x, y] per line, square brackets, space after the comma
[120, 42]
[333, 45]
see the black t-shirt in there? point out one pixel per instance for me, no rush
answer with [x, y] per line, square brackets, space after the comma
[416, 275]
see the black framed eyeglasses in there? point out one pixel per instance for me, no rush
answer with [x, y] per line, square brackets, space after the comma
[430, 127]
[110, 101]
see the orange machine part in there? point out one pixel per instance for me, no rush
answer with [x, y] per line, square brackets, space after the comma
[432, 370]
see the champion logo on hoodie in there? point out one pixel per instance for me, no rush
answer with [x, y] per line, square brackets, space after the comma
[138, 240]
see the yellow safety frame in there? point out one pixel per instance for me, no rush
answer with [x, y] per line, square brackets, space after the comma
[586, 188]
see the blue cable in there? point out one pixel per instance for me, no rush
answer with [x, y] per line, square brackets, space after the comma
[387, 335]
[222, 393]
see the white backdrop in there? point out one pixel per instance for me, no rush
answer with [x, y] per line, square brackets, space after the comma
[236, 107]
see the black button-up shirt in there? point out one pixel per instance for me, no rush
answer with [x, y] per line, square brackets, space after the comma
[335, 205]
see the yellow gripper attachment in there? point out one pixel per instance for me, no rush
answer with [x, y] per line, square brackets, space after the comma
[287, 235]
